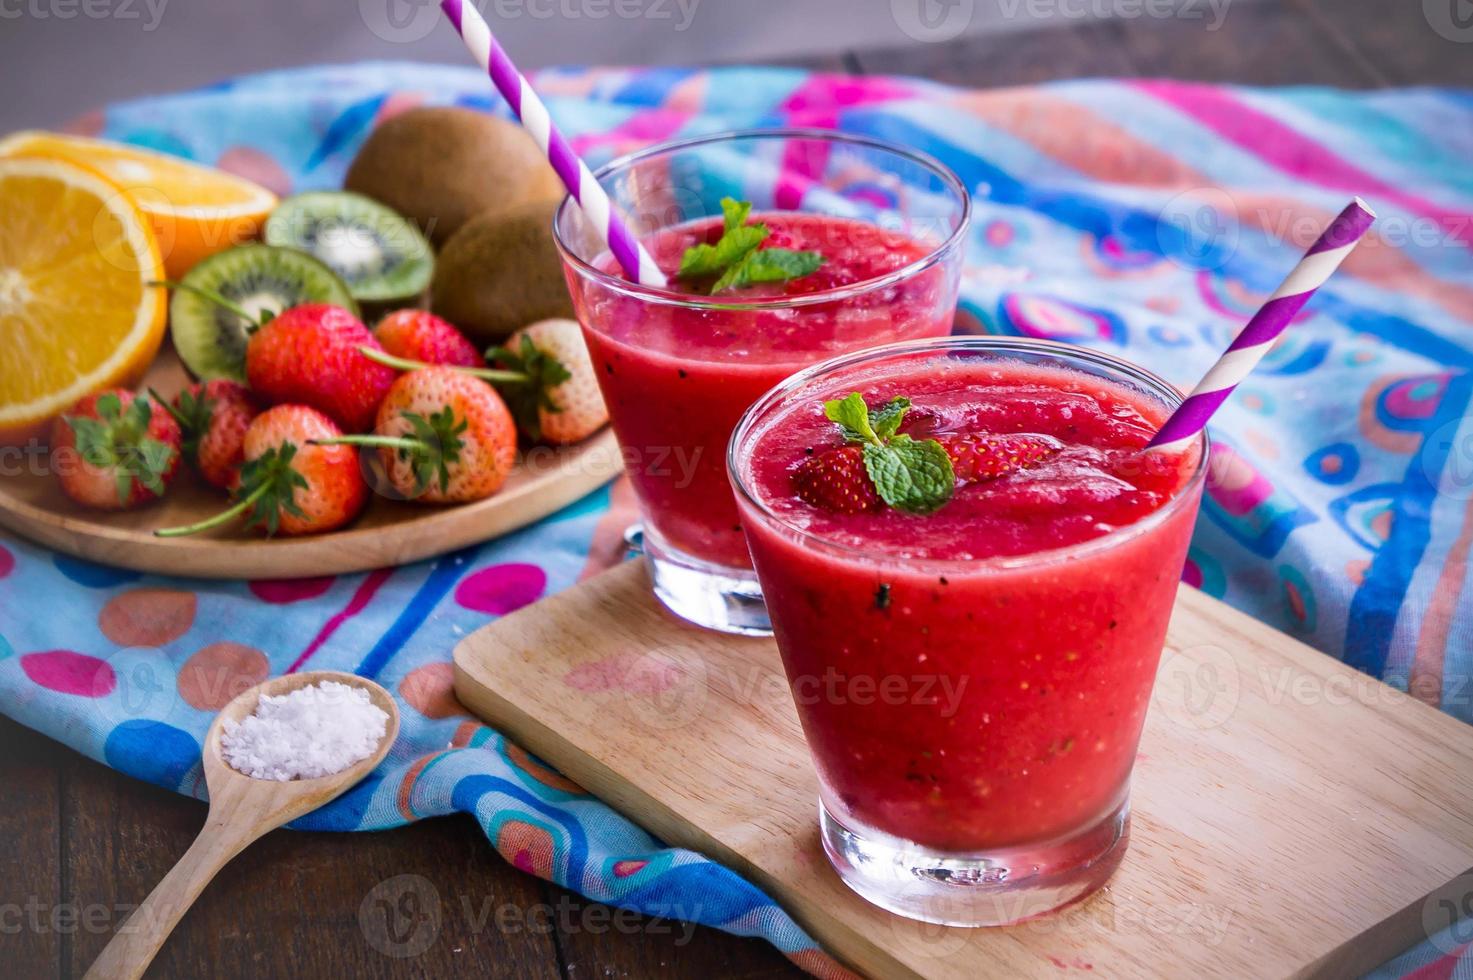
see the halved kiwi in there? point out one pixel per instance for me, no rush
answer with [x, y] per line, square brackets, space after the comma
[381, 256]
[210, 340]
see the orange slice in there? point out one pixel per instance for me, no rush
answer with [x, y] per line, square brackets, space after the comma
[76, 313]
[196, 211]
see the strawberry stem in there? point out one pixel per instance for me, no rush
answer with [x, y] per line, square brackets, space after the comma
[209, 295]
[405, 364]
[184, 423]
[223, 517]
[387, 442]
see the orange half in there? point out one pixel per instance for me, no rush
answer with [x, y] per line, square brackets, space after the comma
[195, 210]
[76, 313]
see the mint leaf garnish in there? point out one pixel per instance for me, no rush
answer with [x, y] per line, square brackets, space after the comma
[853, 416]
[911, 476]
[915, 477]
[886, 419]
[736, 260]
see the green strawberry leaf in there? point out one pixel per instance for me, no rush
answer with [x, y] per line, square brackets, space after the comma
[270, 483]
[527, 398]
[94, 440]
[439, 446]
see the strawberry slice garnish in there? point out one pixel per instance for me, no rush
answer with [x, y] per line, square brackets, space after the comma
[975, 458]
[837, 481]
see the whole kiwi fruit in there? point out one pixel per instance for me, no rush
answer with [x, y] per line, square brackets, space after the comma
[500, 272]
[441, 166]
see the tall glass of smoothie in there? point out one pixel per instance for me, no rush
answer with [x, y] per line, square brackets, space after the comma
[877, 233]
[971, 650]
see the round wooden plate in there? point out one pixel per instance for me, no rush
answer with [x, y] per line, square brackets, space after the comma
[389, 532]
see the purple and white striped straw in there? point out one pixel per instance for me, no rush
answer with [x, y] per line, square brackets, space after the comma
[574, 173]
[1257, 338]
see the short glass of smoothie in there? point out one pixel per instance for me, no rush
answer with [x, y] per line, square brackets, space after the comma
[883, 227]
[972, 673]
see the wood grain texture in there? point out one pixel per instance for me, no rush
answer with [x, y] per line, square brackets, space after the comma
[1253, 44]
[32, 774]
[1015, 58]
[1398, 43]
[389, 532]
[1290, 815]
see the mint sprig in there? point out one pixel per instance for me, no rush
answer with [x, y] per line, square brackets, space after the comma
[912, 476]
[737, 260]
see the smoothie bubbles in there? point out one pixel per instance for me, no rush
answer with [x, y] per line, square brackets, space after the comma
[781, 248]
[972, 643]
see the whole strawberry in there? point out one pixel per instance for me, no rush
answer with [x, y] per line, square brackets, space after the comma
[213, 417]
[443, 437]
[419, 335]
[289, 483]
[309, 355]
[115, 451]
[561, 403]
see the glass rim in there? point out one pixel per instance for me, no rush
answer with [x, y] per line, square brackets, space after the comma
[671, 297]
[1024, 345]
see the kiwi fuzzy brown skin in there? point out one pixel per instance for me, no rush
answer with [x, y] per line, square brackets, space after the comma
[441, 166]
[501, 272]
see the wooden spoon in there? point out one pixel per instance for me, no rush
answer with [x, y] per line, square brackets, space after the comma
[241, 810]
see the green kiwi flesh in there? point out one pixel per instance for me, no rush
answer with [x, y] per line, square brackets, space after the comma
[210, 340]
[381, 256]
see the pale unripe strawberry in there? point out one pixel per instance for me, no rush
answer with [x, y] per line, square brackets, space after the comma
[570, 407]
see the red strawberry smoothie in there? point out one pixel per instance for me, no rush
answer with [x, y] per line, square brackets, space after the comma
[976, 678]
[677, 376]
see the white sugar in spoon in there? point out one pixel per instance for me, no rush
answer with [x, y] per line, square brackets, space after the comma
[241, 810]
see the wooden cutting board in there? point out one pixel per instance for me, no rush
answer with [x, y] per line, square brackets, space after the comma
[388, 532]
[1291, 817]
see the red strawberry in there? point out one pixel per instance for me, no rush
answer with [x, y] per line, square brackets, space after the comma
[115, 451]
[214, 417]
[836, 480]
[562, 404]
[309, 355]
[288, 483]
[546, 377]
[443, 436]
[419, 335]
[975, 458]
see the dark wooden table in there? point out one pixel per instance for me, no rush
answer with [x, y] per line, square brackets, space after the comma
[79, 843]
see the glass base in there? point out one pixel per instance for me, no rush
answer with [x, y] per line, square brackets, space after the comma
[987, 889]
[717, 597]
